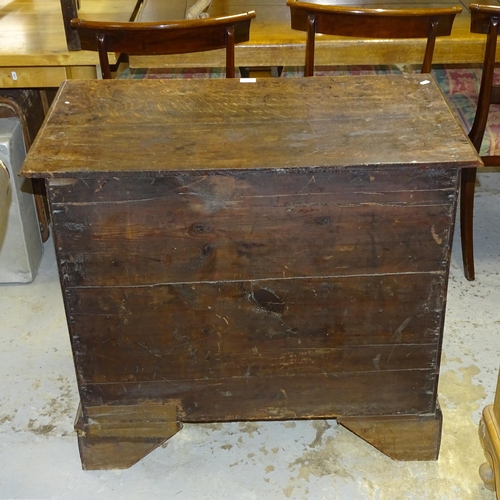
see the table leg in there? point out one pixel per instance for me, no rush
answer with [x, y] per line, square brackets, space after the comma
[69, 10]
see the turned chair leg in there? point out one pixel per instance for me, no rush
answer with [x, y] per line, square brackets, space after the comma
[468, 180]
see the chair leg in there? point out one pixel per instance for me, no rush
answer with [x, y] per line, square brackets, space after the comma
[468, 181]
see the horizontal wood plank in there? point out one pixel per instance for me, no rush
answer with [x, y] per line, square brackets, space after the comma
[253, 226]
[278, 397]
[252, 329]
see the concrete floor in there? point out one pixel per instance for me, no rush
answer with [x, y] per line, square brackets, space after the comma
[280, 460]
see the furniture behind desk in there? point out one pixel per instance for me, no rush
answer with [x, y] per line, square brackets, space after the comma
[33, 49]
[274, 43]
[244, 251]
[34, 53]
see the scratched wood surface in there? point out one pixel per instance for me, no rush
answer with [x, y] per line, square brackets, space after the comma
[97, 128]
[252, 220]
[216, 285]
[271, 250]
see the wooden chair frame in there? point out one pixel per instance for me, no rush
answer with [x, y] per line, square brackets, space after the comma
[485, 19]
[176, 37]
[69, 9]
[370, 23]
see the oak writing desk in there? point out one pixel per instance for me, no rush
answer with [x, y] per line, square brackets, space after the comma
[248, 251]
[273, 43]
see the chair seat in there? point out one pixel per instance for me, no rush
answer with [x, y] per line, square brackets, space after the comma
[167, 73]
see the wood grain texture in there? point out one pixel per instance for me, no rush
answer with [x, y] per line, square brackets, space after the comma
[271, 251]
[270, 124]
[32, 31]
[33, 47]
[220, 333]
[246, 226]
[117, 437]
[403, 437]
[280, 397]
[174, 37]
[33, 43]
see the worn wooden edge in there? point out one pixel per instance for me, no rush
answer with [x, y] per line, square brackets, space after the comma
[117, 437]
[489, 436]
[400, 437]
[64, 178]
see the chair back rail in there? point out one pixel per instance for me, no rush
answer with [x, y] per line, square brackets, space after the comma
[69, 10]
[371, 23]
[164, 38]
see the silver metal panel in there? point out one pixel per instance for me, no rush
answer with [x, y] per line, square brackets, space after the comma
[21, 246]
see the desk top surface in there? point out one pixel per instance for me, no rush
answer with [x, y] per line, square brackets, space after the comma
[121, 127]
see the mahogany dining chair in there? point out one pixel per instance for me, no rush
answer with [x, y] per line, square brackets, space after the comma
[479, 114]
[162, 38]
[361, 22]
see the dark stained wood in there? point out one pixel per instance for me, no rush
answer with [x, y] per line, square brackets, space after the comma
[274, 250]
[69, 9]
[371, 22]
[396, 310]
[223, 328]
[216, 226]
[485, 19]
[333, 123]
[280, 397]
[405, 437]
[117, 437]
[160, 38]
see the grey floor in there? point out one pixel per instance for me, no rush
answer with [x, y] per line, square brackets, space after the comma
[281, 460]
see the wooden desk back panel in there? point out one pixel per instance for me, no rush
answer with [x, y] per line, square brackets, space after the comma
[322, 225]
[324, 293]
[254, 251]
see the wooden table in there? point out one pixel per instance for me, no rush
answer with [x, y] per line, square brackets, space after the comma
[274, 43]
[245, 251]
[33, 50]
